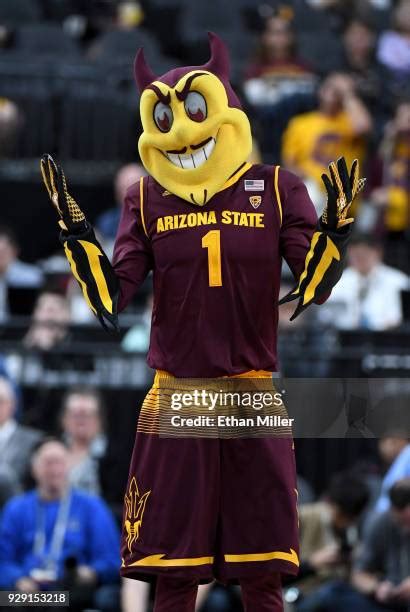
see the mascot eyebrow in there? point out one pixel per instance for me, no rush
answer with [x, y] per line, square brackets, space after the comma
[164, 98]
[181, 95]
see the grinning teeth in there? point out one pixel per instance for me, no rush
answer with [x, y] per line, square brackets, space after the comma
[209, 147]
[188, 161]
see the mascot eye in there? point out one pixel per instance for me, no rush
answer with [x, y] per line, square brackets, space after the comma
[195, 106]
[163, 116]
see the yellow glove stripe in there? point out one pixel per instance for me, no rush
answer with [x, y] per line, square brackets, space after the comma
[51, 174]
[337, 179]
[93, 254]
[45, 179]
[77, 277]
[330, 253]
[344, 222]
[309, 256]
[355, 181]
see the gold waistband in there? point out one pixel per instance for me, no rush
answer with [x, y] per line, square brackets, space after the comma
[161, 375]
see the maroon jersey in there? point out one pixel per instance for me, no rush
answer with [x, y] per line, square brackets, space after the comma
[216, 268]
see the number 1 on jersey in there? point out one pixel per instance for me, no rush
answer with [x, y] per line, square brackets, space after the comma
[212, 242]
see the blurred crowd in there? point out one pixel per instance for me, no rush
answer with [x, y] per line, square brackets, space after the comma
[56, 530]
[318, 79]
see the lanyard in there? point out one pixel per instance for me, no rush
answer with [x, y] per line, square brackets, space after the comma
[51, 558]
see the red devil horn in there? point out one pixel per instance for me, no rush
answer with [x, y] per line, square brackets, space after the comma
[219, 62]
[142, 72]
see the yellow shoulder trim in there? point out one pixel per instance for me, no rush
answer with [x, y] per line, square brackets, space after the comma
[235, 177]
[276, 180]
[142, 205]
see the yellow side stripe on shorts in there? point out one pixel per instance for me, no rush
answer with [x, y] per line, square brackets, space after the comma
[269, 556]
[159, 561]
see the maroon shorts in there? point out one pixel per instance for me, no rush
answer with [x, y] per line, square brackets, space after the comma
[209, 508]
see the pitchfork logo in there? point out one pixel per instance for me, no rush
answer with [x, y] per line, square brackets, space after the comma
[134, 511]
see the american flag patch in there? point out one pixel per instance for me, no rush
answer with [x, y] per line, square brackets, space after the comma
[257, 185]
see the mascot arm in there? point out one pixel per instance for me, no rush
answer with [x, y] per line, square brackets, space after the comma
[132, 257]
[316, 249]
[101, 283]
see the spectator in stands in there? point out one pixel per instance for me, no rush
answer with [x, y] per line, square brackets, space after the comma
[55, 537]
[129, 14]
[394, 449]
[391, 197]
[359, 45]
[10, 123]
[14, 272]
[328, 535]
[276, 71]
[359, 299]
[328, 526]
[336, 128]
[346, 8]
[50, 322]
[83, 432]
[16, 444]
[394, 45]
[278, 83]
[382, 570]
[107, 222]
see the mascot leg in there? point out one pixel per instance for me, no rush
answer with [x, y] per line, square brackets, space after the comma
[174, 594]
[262, 593]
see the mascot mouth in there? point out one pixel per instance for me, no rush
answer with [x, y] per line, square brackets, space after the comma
[188, 161]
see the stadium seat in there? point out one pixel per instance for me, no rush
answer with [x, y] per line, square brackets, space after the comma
[45, 39]
[323, 52]
[98, 124]
[199, 17]
[34, 99]
[117, 49]
[17, 12]
[308, 19]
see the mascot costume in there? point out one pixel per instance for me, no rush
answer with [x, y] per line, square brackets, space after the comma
[213, 229]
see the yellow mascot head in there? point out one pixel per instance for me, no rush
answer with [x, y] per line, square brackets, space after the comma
[195, 134]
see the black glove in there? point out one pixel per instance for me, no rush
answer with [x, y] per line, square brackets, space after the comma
[342, 189]
[88, 262]
[324, 260]
[72, 218]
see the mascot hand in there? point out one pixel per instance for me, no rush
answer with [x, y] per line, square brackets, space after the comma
[88, 262]
[342, 189]
[72, 218]
[324, 260]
